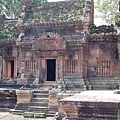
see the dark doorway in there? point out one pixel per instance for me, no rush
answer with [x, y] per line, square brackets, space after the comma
[51, 69]
[12, 69]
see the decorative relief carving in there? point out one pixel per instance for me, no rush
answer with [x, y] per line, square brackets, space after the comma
[50, 43]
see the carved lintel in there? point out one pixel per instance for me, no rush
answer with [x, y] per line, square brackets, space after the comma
[48, 53]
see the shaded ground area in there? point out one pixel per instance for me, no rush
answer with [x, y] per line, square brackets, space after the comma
[8, 116]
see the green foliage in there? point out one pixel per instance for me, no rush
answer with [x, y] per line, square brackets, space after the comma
[106, 10]
[103, 29]
[117, 16]
[11, 8]
[9, 30]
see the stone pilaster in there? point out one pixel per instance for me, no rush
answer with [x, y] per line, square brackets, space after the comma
[15, 68]
[4, 69]
[38, 66]
[119, 46]
[0, 67]
[81, 61]
[60, 67]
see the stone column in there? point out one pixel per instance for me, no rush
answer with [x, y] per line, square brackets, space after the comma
[119, 46]
[43, 70]
[4, 69]
[15, 68]
[60, 67]
[1, 67]
[81, 61]
[38, 64]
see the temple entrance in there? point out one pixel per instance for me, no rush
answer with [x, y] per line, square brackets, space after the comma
[51, 69]
[10, 69]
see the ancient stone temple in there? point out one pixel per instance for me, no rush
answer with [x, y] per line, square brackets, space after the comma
[55, 47]
[57, 41]
[64, 45]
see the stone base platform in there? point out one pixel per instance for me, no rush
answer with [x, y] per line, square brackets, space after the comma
[92, 105]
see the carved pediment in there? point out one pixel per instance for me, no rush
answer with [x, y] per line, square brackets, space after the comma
[50, 42]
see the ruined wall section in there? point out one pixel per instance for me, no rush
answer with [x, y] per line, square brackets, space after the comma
[103, 56]
[27, 60]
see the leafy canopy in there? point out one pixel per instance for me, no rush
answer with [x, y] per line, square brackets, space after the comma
[12, 8]
[106, 10]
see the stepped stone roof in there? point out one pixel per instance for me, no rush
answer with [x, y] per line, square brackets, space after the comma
[63, 17]
[56, 11]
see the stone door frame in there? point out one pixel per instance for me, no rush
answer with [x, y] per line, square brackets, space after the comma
[6, 63]
[43, 66]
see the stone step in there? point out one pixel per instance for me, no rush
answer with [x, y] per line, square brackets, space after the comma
[38, 109]
[34, 115]
[4, 109]
[9, 106]
[28, 114]
[40, 95]
[21, 106]
[42, 104]
[72, 76]
[40, 100]
[39, 115]
[52, 111]
[75, 87]
[49, 84]
[4, 97]
[14, 86]
[3, 106]
[104, 87]
[41, 91]
[17, 112]
[103, 81]
[22, 81]
[52, 114]
[73, 81]
[108, 83]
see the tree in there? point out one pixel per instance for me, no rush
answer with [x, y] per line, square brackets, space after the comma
[11, 8]
[106, 10]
